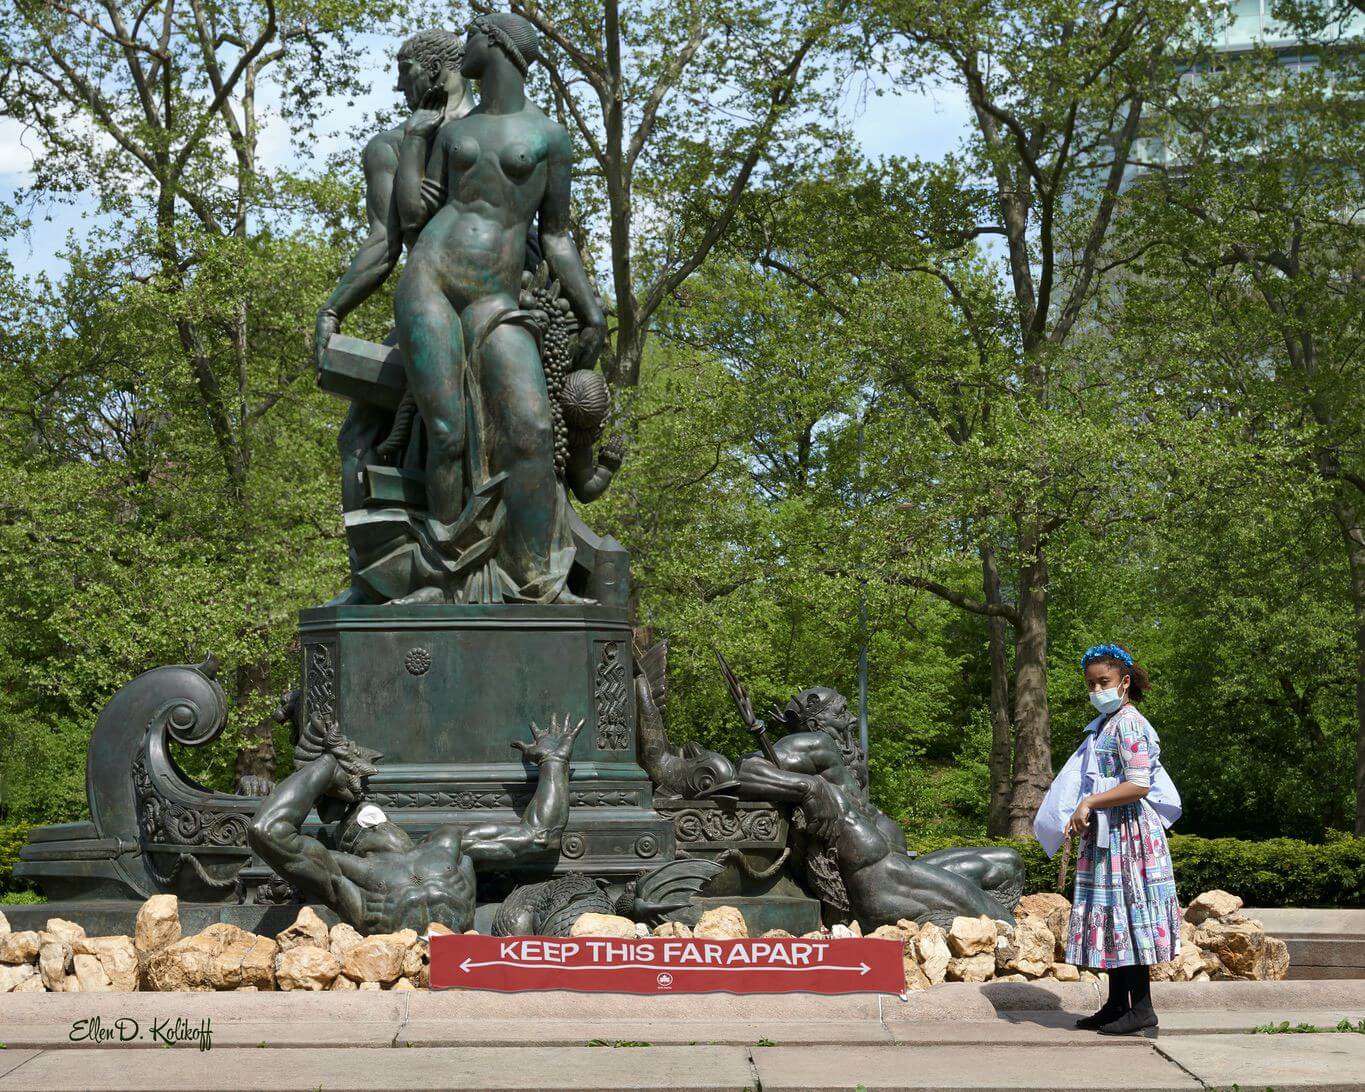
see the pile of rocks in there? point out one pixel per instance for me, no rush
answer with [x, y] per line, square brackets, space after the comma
[1218, 942]
[306, 956]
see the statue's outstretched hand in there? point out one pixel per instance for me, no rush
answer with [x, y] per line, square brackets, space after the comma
[613, 453]
[554, 742]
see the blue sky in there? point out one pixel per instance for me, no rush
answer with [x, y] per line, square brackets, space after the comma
[924, 124]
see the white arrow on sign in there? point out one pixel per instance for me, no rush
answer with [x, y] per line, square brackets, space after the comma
[469, 964]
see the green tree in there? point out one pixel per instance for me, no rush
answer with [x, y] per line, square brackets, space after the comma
[675, 108]
[161, 380]
[1246, 217]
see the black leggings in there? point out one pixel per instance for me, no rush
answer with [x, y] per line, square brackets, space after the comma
[1131, 986]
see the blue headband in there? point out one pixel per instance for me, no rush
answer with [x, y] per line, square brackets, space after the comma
[1097, 652]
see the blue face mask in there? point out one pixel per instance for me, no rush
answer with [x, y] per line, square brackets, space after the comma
[1106, 701]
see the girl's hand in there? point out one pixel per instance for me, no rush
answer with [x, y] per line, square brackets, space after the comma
[1080, 819]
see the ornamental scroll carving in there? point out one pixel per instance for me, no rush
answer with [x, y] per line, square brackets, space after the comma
[696, 826]
[474, 801]
[319, 681]
[165, 822]
[610, 693]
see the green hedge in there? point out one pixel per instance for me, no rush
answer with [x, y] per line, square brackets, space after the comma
[1277, 872]
[12, 838]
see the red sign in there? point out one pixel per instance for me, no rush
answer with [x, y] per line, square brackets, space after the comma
[667, 964]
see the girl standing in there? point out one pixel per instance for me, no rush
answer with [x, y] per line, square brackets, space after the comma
[1124, 915]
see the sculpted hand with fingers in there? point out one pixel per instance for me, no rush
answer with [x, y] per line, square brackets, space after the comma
[373, 875]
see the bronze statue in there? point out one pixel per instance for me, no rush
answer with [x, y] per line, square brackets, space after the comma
[377, 879]
[428, 71]
[856, 859]
[495, 504]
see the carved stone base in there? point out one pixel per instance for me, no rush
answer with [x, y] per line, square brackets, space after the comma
[443, 691]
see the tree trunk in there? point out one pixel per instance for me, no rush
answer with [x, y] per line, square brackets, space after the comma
[1348, 519]
[1032, 723]
[998, 819]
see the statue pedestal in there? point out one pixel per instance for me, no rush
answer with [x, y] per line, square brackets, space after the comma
[443, 691]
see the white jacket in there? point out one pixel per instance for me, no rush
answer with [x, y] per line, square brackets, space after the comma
[1081, 777]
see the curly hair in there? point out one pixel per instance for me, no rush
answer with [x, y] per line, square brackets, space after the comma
[434, 50]
[1139, 682]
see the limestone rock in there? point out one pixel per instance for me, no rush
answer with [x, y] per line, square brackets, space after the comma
[1187, 934]
[13, 975]
[158, 923]
[54, 963]
[1213, 966]
[306, 967]
[915, 978]
[19, 947]
[118, 959]
[1275, 966]
[308, 928]
[222, 957]
[972, 937]
[370, 986]
[894, 932]
[4, 924]
[602, 925]
[91, 975]
[932, 948]
[721, 923]
[342, 939]
[65, 930]
[1034, 945]
[781, 933]
[855, 927]
[1218, 905]
[341, 982]
[672, 929]
[436, 929]
[1245, 951]
[1055, 910]
[910, 928]
[32, 984]
[972, 968]
[1012, 978]
[403, 984]
[377, 958]
[1066, 972]
[842, 932]
[414, 958]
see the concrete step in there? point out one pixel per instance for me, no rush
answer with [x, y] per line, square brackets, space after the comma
[1322, 943]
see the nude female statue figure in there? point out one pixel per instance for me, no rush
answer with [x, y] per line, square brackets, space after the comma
[472, 363]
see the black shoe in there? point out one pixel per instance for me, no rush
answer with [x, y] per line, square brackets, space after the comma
[1141, 1019]
[1109, 1012]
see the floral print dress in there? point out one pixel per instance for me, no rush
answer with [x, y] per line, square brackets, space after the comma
[1125, 909]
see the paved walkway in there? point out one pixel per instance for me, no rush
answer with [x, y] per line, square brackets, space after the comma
[997, 1036]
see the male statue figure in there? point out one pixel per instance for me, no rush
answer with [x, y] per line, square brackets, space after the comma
[428, 76]
[856, 855]
[379, 881]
